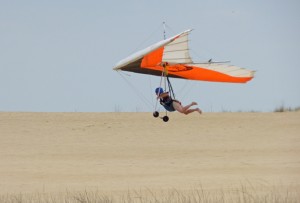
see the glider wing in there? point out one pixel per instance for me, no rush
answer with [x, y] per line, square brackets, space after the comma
[174, 54]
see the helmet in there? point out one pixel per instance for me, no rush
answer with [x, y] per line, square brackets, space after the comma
[159, 90]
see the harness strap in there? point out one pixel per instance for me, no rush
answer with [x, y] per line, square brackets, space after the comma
[170, 88]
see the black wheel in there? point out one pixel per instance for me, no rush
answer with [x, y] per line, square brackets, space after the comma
[155, 114]
[166, 118]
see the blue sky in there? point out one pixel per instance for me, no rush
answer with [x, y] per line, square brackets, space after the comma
[58, 55]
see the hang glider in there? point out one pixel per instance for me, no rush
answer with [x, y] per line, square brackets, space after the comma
[172, 56]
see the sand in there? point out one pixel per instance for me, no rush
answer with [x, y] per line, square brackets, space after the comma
[55, 152]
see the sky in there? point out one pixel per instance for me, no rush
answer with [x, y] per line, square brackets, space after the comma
[57, 56]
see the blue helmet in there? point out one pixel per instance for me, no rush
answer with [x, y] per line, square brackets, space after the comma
[159, 90]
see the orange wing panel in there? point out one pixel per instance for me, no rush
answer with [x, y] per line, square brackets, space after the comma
[198, 73]
[153, 59]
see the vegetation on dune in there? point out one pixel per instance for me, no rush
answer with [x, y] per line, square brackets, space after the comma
[242, 194]
[282, 108]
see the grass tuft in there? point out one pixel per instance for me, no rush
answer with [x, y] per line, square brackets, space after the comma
[243, 194]
[282, 108]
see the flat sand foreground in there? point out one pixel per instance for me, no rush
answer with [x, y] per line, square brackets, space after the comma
[55, 152]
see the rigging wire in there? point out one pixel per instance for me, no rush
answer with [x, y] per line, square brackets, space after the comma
[167, 26]
[154, 99]
[138, 92]
[183, 89]
[148, 38]
[164, 79]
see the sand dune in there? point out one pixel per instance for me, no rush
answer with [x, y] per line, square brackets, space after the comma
[56, 152]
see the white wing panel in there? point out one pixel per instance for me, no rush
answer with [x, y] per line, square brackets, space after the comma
[227, 69]
[178, 50]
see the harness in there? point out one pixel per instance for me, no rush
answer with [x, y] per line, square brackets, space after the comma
[167, 103]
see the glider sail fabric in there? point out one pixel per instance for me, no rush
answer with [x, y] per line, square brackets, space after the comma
[177, 51]
[173, 54]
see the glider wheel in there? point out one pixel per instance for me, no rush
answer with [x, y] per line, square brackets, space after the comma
[166, 118]
[155, 114]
